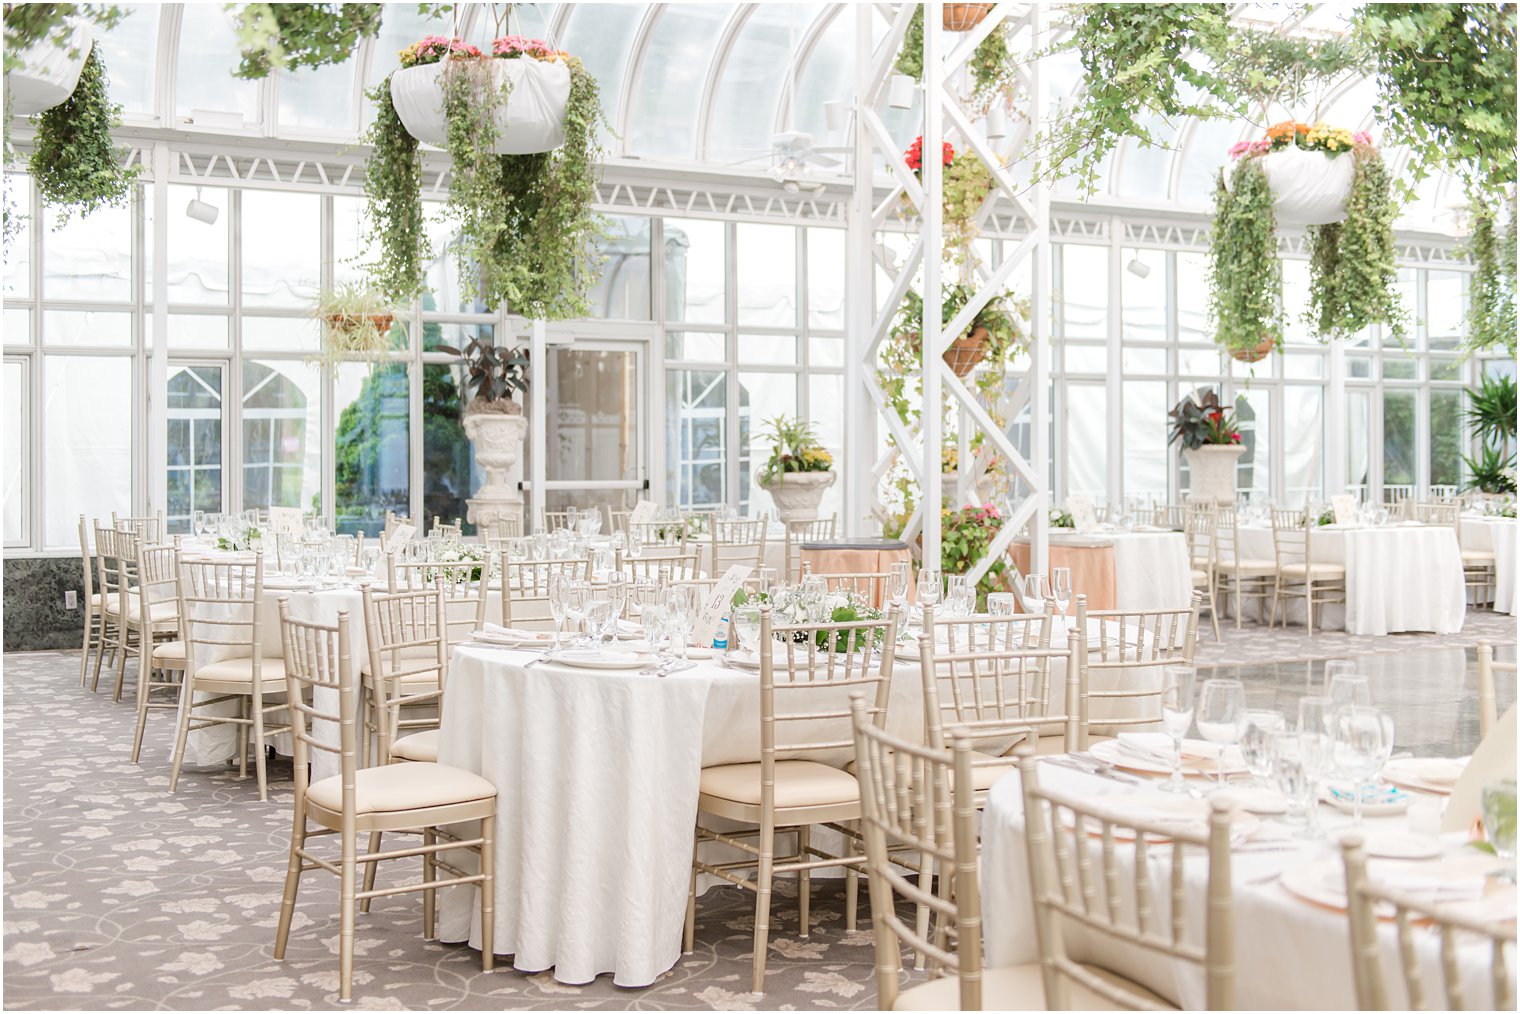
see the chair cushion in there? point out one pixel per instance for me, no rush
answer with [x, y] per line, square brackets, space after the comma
[1318, 570]
[97, 600]
[798, 783]
[1248, 567]
[1200, 577]
[1478, 556]
[421, 746]
[410, 786]
[158, 612]
[170, 651]
[1019, 987]
[240, 670]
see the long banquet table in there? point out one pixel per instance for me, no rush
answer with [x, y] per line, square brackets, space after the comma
[1290, 953]
[1399, 577]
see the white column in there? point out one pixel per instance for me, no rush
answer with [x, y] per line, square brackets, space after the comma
[859, 412]
[932, 214]
[157, 409]
[1039, 401]
[538, 423]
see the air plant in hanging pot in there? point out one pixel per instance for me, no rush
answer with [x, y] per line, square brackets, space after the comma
[356, 320]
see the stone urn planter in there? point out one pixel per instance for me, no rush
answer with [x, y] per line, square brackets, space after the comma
[1211, 471]
[797, 494]
[47, 74]
[497, 437]
[1309, 187]
[530, 119]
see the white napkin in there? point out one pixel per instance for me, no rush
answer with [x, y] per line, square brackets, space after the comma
[1158, 746]
[497, 631]
[1435, 770]
[1423, 883]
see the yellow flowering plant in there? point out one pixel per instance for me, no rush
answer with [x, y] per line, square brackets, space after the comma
[794, 448]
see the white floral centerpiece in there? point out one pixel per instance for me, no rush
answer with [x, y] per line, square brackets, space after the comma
[791, 607]
[450, 551]
[245, 538]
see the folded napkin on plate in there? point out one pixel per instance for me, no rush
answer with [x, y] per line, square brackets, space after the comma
[1412, 882]
[1158, 746]
[1435, 770]
[498, 631]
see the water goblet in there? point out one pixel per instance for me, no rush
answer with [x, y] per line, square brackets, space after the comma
[956, 589]
[1498, 807]
[747, 626]
[1347, 688]
[1362, 738]
[1256, 741]
[1060, 589]
[1221, 708]
[1294, 780]
[1177, 705]
[928, 587]
[1036, 591]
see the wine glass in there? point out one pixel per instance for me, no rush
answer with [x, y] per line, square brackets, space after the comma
[1177, 705]
[1036, 591]
[956, 590]
[1362, 739]
[1348, 689]
[897, 586]
[747, 626]
[1256, 741]
[577, 597]
[559, 603]
[599, 618]
[1060, 590]
[928, 587]
[1221, 711]
[635, 543]
[1498, 806]
[198, 523]
[685, 606]
[1294, 779]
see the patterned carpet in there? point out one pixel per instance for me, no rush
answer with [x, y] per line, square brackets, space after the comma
[1255, 644]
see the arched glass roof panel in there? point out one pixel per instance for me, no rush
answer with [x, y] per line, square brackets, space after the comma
[400, 26]
[130, 52]
[672, 71]
[1145, 169]
[829, 73]
[602, 36]
[753, 75]
[1207, 151]
[208, 53]
[318, 98]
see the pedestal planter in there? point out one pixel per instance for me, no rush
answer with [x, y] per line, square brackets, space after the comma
[498, 440]
[1211, 470]
[529, 119]
[48, 73]
[1309, 187]
[797, 494]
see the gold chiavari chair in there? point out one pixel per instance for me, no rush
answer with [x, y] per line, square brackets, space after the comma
[1488, 700]
[1478, 569]
[1075, 880]
[447, 530]
[803, 710]
[1133, 645]
[1298, 573]
[160, 646]
[869, 587]
[525, 589]
[799, 532]
[736, 541]
[509, 527]
[415, 797]
[112, 588]
[222, 622]
[617, 521]
[682, 567]
[92, 603]
[149, 528]
[1201, 530]
[129, 623]
[1416, 917]
[555, 520]
[1238, 575]
[464, 584]
[660, 538]
[407, 635]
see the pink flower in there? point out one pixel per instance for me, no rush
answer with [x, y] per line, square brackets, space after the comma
[1239, 148]
[1361, 137]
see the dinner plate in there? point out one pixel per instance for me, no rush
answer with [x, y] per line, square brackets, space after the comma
[1323, 881]
[1179, 813]
[601, 659]
[747, 659]
[287, 584]
[1394, 806]
[1388, 843]
[1425, 774]
[1110, 751]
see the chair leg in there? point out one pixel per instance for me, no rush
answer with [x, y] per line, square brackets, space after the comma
[121, 660]
[488, 893]
[89, 638]
[369, 871]
[804, 881]
[851, 882]
[242, 737]
[258, 748]
[921, 911]
[763, 905]
[1309, 606]
[429, 874]
[186, 706]
[689, 931]
[144, 679]
[292, 885]
[346, 923]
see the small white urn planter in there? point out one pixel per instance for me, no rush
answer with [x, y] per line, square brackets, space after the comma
[48, 73]
[498, 440]
[530, 119]
[797, 494]
[1309, 187]
[1211, 472]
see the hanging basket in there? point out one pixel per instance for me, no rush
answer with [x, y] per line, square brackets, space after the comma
[529, 119]
[1256, 354]
[964, 353]
[346, 323]
[48, 73]
[963, 17]
[1309, 187]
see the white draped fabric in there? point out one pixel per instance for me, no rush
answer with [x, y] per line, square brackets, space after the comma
[1151, 571]
[1498, 536]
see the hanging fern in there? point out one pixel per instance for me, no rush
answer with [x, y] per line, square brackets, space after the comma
[74, 164]
[1491, 311]
[1352, 263]
[393, 185]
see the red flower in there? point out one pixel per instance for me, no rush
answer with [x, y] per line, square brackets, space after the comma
[1234, 438]
[914, 156]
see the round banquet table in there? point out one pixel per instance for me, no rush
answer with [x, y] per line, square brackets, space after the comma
[597, 775]
[1498, 536]
[856, 556]
[1291, 954]
[1120, 570]
[1400, 577]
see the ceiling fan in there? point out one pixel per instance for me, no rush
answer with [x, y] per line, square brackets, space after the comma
[793, 157]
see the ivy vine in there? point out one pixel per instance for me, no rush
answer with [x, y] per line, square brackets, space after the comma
[393, 187]
[1245, 275]
[73, 163]
[1353, 264]
[1491, 322]
[292, 35]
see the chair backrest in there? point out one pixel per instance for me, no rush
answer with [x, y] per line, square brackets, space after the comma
[1227, 552]
[617, 521]
[1488, 701]
[392, 522]
[808, 530]
[219, 610]
[1074, 877]
[682, 566]
[555, 520]
[108, 564]
[920, 799]
[1160, 516]
[407, 634]
[1447, 514]
[870, 588]
[1200, 527]
[464, 585]
[525, 589]
[992, 679]
[1138, 641]
[1397, 494]
[447, 530]
[320, 657]
[157, 579]
[87, 557]
[1290, 536]
[1413, 917]
[737, 541]
[149, 527]
[659, 535]
[507, 527]
[805, 682]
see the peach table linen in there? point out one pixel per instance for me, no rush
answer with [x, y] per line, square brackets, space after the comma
[1092, 570]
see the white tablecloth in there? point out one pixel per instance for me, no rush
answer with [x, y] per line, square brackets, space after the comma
[1289, 954]
[1498, 536]
[1151, 571]
[1405, 577]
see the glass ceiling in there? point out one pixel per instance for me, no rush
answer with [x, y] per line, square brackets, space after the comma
[683, 85]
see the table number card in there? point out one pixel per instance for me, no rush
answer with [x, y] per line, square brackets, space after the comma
[285, 520]
[718, 602]
[398, 539]
[643, 512]
[1081, 510]
[1343, 505]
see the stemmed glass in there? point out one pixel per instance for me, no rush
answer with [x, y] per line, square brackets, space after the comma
[577, 598]
[683, 609]
[1060, 590]
[1362, 741]
[897, 586]
[617, 594]
[1315, 750]
[747, 626]
[559, 605]
[1221, 711]
[1497, 802]
[1294, 780]
[958, 592]
[198, 523]
[1346, 687]
[1177, 715]
[928, 587]
[635, 543]
[1036, 591]
[1256, 735]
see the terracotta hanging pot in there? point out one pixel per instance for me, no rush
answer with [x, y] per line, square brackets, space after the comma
[963, 17]
[1256, 354]
[347, 322]
[964, 353]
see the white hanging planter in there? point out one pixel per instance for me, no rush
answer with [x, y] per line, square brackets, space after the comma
[1309, 187]
[48, 73]
[901, 91]
[531, 119]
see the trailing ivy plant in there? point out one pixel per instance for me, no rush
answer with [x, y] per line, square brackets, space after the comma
[1491, 319]
[1353, 271]
[1245, 275]
[393, 187]
[992, 65]
[902, 355]
[1269, 69]
[301, 35]
[1446, 85]
[73, 163]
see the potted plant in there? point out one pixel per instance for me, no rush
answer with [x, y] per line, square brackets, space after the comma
[992, 64]
[798, 471]
[963, 17]
[494, 422]
[1490, 417]
[992, 334]
[356, 320]
[46, 72]
[525, 225]
[965, 186]
[1210, 440]
[1491, 309]
[965, 537]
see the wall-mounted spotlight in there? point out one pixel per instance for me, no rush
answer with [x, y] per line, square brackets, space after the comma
[200, 210]
[1138, 268]
[836, 114]
[900, 91]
